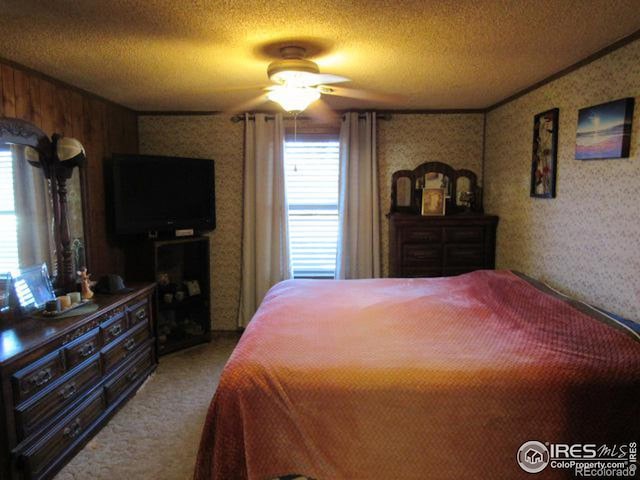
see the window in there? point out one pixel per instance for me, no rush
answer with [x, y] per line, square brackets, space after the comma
[8, 218]
[312, 172]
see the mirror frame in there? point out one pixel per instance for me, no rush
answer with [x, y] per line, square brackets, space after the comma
[437, 167]
[22, 132]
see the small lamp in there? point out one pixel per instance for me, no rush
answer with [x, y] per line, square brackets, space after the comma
[70, 150]
[68, 154]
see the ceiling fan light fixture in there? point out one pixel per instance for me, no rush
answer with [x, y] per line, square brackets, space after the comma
[293, 71]
[293, 99]
[294, 78]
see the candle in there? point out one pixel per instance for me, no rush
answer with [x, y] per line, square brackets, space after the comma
[75, 297]
[52, 305]
[65, 301]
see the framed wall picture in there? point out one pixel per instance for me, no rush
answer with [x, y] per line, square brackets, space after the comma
[433, 201]
[544, 160]
[604, 131]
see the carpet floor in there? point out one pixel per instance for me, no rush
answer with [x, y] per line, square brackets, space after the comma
[156, 434]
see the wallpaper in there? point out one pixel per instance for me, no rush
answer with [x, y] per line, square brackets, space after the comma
[405, 141]
[586, 241]
[218, 138]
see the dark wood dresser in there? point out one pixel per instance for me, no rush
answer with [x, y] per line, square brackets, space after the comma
[422, 246]
[62, 379]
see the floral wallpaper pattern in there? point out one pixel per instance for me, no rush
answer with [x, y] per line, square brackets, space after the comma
[407, 140]
[586, 241]
[218, 138]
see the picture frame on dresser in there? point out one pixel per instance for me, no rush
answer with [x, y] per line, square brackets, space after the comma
[433, 202]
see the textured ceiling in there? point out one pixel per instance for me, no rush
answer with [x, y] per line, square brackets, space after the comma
[199, 55]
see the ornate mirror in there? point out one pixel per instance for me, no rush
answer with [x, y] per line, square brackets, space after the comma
[461, 188]
[41, 201]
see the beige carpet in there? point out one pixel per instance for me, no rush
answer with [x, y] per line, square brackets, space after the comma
[156, 434]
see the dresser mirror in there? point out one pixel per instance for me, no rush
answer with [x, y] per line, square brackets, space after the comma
[404, 192]
[42, 214]
[437, 180]
[461, 188]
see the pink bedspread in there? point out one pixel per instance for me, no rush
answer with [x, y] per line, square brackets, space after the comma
[416, 379]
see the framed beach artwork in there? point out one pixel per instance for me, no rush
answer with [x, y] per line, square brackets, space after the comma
[604, 131]
[544, 160]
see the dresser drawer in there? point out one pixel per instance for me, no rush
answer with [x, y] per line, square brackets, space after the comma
[423, 255]
[78, 332]
[63, 436]
[82, 348]
[139, 366]
[463, 235]
[114, 353]
[139, 312]
[113, 328]
[464, 256]
[422, 235]
[36, 376]
[35, 412]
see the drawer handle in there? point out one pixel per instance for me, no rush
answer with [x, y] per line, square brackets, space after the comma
[68, 391]
[141, 314]
[132, 374]
[115, 330]
[130, 344]
[87, 350]
[72, 430]
[41, 378]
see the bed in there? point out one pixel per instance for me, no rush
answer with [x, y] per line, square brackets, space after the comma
[417, 379]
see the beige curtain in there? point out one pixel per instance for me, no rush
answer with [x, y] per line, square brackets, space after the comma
[265, 242]
[359, 211]
[34, 209]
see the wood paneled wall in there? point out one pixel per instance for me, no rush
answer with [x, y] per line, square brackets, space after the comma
[103, 128]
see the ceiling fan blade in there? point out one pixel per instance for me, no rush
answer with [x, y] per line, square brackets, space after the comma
[320, 112]
[247, 106]
[328, 78]
[246, 88]
[363, 94]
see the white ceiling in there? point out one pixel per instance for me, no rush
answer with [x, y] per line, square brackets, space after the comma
[178, 55]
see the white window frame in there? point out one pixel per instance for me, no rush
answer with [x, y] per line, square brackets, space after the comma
[321, 238]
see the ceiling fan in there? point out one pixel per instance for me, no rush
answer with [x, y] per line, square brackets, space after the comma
[298, 83]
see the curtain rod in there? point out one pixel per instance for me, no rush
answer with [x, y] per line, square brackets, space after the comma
[240, 117]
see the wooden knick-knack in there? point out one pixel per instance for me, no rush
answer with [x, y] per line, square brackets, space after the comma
[85, 281]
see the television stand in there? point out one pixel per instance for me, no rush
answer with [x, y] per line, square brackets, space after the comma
[180, 267]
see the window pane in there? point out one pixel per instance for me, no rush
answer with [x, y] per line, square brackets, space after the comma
[312, 172]
[8, 220]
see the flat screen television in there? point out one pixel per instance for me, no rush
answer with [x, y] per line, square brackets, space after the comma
[154, 193]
